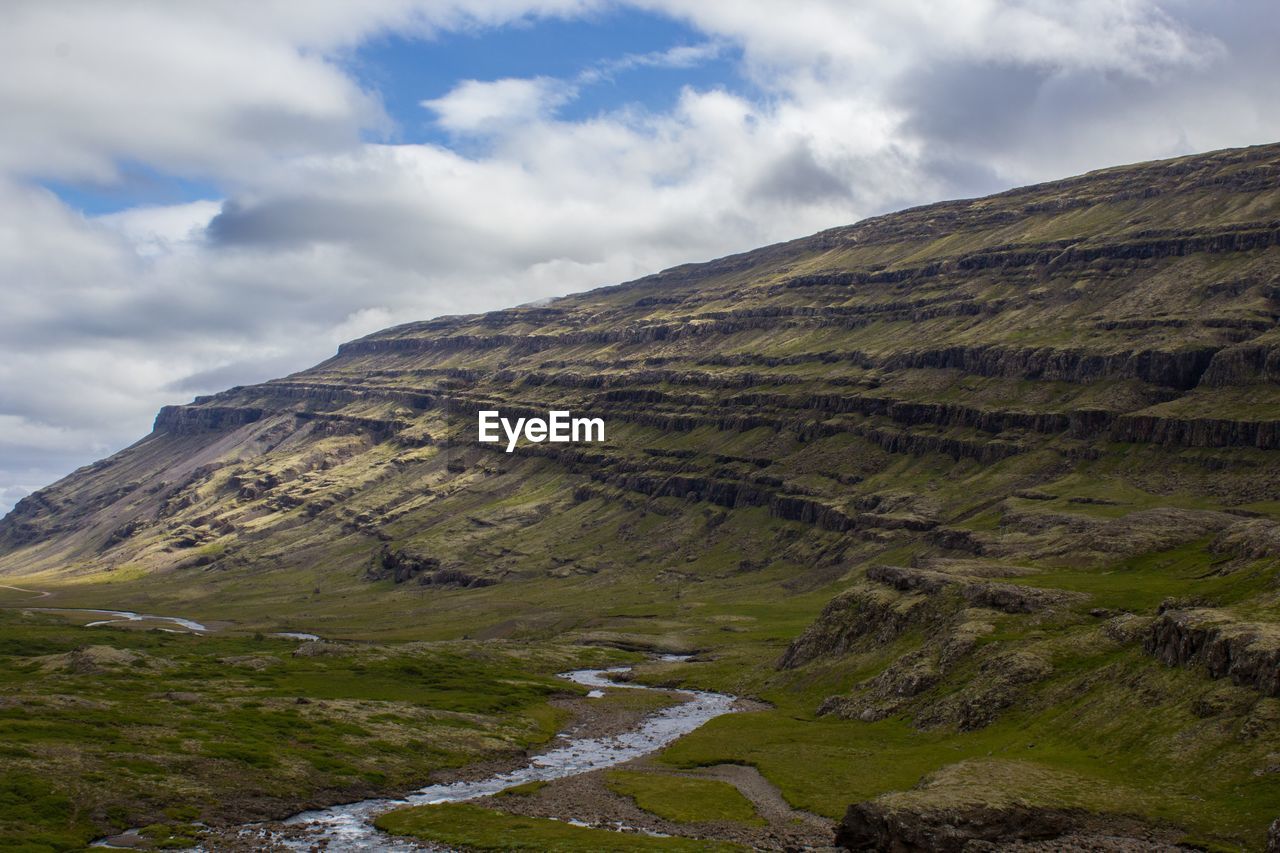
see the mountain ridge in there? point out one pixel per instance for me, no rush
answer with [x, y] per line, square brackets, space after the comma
[983, 493]
[1215, 350]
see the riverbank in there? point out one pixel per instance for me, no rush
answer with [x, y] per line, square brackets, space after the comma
[582, 748]
[619, 712]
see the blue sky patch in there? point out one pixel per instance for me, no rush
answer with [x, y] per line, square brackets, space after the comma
[407, 71]
[139, 185]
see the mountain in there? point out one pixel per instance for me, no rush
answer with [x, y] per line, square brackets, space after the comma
[983, 496]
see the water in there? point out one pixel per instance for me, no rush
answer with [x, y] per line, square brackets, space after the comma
[350, 827]
[127, 616]
[118, 616]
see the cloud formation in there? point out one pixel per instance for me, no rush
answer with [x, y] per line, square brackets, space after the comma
[325, 228]
[478, 107]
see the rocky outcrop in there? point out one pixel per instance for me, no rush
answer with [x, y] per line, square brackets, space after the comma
[918, 413]
[889, 692]
[857, 614]
[189, 420]
[1242, 364]
[1037, 534]
[94, 660]
[917, 444]
[454, 578]
[871, 826]
[992, 804]
[1001, 680]
[1254, 539]
[979, 827]
[1246, 652]
[910, 580]
[949, 643]
[1177, 368]
[320, 648]
[329, 423]
[398, 566]
[124, 531]
[956, 626]
[1011, 598]
[1197, 432]
[1006, 597]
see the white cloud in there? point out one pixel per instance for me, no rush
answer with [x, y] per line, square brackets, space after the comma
[153, 229]
[87, 85]
[475, 106]
[883, 38]
[211, 88]
[853, 109]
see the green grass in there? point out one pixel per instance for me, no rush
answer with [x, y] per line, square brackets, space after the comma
[683, 800]
[192, 731]
[36, 817]
[1079, 729]
[821, 765]
[476, 828]
[1141, 583]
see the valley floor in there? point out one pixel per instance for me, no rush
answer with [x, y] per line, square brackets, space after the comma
[129, 725]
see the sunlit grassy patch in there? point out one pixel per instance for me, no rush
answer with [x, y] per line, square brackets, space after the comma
[476, 828]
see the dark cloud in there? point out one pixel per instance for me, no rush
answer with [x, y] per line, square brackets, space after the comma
[797, 177]
[238, 373]
[961, 104]
[961, 178]
[290, 221]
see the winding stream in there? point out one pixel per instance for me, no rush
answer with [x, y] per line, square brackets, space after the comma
[37, 593]
[118, 616]
[115, 616]
[350, 826]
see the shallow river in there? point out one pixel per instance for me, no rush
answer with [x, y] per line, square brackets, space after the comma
[349, 827]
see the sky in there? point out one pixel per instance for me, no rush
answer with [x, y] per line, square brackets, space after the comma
[200, 195]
